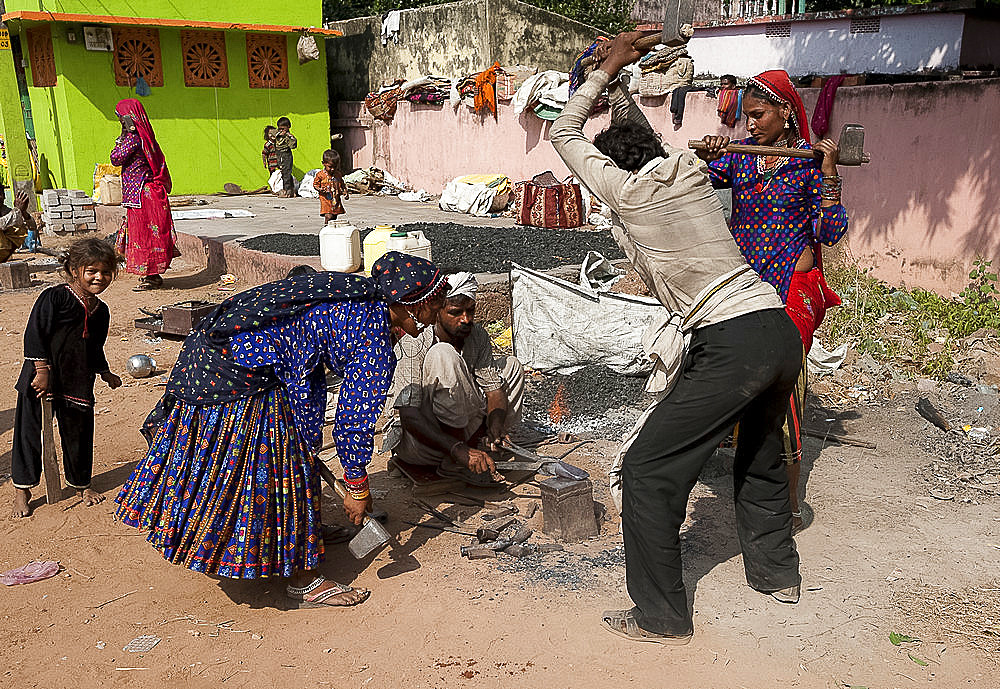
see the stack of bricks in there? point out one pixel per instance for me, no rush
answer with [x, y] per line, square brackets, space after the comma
[68, 210]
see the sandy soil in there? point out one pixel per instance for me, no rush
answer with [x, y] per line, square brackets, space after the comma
[882, 556]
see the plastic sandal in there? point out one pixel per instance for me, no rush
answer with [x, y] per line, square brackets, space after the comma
[622, 623]
[306, 598]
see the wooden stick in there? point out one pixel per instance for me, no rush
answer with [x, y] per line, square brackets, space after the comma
[96, 607]
[50, 464]
[842, 439]
[780, 151]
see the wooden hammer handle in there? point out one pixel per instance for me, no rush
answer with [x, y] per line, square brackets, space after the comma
[643, 44]
[699, 145]
[328, 476]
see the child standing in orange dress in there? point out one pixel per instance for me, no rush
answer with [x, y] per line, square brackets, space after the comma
[330, 184]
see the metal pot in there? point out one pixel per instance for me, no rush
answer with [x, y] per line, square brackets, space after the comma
[140, 366]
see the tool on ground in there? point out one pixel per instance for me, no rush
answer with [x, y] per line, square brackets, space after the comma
[498, 512]
[440, 515]
[372, 535]
[929, 412]
[851, 144]
[50, 464]
[550, 466]
[678, 18]
[439, 527]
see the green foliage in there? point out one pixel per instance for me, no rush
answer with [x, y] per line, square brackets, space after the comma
[910, 326]
[610, 16]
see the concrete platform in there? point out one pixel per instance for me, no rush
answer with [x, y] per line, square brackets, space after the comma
[215, 243]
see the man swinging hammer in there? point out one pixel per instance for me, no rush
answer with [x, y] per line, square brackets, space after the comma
[727, 353]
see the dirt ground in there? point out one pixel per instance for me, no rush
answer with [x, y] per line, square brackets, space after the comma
[884, 555]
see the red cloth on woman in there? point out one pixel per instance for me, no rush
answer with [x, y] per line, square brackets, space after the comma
[154, 156]
[808, 299]
[777, 84]
[146, 238]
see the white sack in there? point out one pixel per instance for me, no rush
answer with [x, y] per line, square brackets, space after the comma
[306, 188]
[475, 199]
[560, 327]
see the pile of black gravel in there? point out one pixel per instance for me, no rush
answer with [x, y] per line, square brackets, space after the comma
[285, 243]
[477, 249]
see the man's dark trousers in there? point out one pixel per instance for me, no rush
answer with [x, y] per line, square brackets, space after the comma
[743, 369]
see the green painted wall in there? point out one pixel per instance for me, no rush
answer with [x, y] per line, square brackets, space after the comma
[307, 13]
[209, 136]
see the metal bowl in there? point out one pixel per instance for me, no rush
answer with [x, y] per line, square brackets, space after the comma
[140, 366]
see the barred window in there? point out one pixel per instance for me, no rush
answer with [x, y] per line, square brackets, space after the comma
[205, 58]
[267, 61]
[866, 25]
[778, 30]
[137, 54]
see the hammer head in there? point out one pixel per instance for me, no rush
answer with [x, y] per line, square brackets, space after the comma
[852, 145]
[678, 18]
[370, 538]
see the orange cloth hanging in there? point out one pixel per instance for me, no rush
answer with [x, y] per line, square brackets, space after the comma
[486, 90]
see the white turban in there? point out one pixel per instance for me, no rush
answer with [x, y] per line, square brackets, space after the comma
[462, 285]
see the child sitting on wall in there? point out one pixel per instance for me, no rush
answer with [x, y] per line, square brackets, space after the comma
[329, 182]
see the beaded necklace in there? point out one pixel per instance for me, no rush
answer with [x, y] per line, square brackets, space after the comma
[767, 170]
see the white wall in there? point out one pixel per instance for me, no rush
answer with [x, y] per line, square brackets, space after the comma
[906, 43]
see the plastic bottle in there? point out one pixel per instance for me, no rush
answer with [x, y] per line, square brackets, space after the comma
[340, 247]
[375, 244]
[413, 243]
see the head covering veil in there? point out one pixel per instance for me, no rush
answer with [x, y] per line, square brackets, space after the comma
[151, 149]
[776, 84]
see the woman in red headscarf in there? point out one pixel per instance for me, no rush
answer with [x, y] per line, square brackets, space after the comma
[146, 238]
[783, 209]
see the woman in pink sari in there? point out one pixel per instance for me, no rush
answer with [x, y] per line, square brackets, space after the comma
[147, 238]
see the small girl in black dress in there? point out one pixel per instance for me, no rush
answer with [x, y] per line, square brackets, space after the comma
[64, 352]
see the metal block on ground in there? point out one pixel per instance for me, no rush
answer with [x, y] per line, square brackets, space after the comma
[15, 275]
[568, 509]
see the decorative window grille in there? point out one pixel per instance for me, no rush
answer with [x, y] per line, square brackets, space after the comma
[137, 54]
[866, 25]
[41, 55]
[205, 58]
[267, 61]
[778, 30]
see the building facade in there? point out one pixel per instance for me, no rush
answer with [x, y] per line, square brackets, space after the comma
[215, 74]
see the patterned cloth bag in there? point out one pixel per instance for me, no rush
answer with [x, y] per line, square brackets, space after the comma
[546, 202]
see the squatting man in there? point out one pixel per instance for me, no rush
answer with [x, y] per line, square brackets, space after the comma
[450, 395]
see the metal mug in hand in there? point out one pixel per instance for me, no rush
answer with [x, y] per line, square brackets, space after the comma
[140, 366]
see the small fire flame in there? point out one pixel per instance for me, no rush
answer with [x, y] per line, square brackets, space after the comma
[559, 410]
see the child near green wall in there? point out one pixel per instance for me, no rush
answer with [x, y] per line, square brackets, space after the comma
[270, 153]
[284, 142]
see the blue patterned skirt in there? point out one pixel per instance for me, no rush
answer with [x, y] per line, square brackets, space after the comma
[229, 489]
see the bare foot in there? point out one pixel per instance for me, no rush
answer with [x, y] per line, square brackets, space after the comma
[91, 497]
[21, 498]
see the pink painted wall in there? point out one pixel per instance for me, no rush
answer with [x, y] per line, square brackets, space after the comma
[921, 212]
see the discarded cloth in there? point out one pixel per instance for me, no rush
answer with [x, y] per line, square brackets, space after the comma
[730, 106]
[35, 570]
[390, 27]
[382, 104]
[550, 87]
[655, 82]
[486, 90]
[821, 115]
